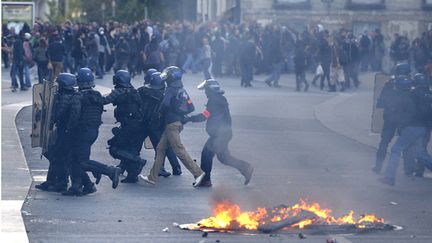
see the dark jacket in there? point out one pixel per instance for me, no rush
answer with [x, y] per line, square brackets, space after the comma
[217, 115]
[150, 104]
[167, 110]
[385, 101]
[423, 100]
[405, 109]
[63, 105]
[86, 109]
[18, 51]
[127, 102]
[56, 51]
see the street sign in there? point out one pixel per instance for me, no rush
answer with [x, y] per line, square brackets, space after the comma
[15, 14]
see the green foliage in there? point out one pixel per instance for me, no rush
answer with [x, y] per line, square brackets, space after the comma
[55, 16]
[125, 10]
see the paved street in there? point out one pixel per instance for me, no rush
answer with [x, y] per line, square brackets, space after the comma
[280, 132]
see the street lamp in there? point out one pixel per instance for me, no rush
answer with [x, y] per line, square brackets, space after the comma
[328, 2]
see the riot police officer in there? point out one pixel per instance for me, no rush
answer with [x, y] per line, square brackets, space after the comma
[84, 122]
[152, 94]
[386, 101]
[175, 105]
[423, 99]
[219, 129]
[59, 153]
[126, 143]
[412, 127]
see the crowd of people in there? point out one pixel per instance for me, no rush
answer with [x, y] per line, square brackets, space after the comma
[215, 49]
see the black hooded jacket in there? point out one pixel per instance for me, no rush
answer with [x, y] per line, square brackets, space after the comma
[217, 115]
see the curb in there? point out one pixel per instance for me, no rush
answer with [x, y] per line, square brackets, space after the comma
[13, 173]
[16, 177]
[326, 114]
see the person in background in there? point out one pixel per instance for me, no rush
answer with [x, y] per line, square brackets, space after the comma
[56, 52]
[41, 59]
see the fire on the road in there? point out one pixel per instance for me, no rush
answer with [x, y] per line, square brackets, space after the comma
[228, 216]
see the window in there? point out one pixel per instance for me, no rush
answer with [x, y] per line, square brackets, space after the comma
[365, 4]
[427, 5]
[293, 4]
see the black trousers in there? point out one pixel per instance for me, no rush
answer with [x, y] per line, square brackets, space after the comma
[83, 139]
[126, 146]
[246, 73]
[218, 145]
[387, 133]
[59, 157]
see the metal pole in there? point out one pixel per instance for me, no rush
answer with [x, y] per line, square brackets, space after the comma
[113, 6]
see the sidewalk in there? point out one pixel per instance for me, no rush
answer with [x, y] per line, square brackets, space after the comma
[16, 178]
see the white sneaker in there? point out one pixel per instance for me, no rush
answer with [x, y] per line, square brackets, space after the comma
[147, 179]
[198, 180]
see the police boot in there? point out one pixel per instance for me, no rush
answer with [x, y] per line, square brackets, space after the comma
[75, 190]
[60, 186]
[44, 186]
[89, 188]
[176, 171]
[114, 176]
[133, 171]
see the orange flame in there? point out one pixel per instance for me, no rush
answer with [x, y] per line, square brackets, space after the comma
[227, 215]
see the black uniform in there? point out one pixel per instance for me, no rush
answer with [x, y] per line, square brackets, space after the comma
[151, 123]
[59, 153]
[84, 122]
[423, 100]
[392, 122]
[126, 143]
[218, 127]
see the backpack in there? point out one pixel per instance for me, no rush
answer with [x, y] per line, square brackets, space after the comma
[183, 103]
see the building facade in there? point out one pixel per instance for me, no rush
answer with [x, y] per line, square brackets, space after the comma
[407, 17]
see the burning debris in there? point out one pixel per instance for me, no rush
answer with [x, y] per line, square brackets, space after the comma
[301, 217]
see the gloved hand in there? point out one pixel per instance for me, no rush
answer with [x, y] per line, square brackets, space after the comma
[186, 119]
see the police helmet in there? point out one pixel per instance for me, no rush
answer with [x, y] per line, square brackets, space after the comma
[403, 83]
[66, 81]
[122, 78]
[420, 80]
[155, 81]
[171, 74]
[211, 85]
[148, 75]
[85, 78]
[402, 69]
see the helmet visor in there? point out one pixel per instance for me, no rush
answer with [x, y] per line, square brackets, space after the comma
[202, 85]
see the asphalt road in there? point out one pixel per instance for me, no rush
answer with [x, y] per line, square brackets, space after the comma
[294, 157]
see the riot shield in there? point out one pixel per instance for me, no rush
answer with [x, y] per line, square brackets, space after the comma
[377, 113]
[43, 129]
[37, 108]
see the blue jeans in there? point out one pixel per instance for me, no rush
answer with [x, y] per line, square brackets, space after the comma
[206, 65]
[410, 136]
[93, 63]
[189, 63]
[27, 75]
[17, 69]
[275, 74]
